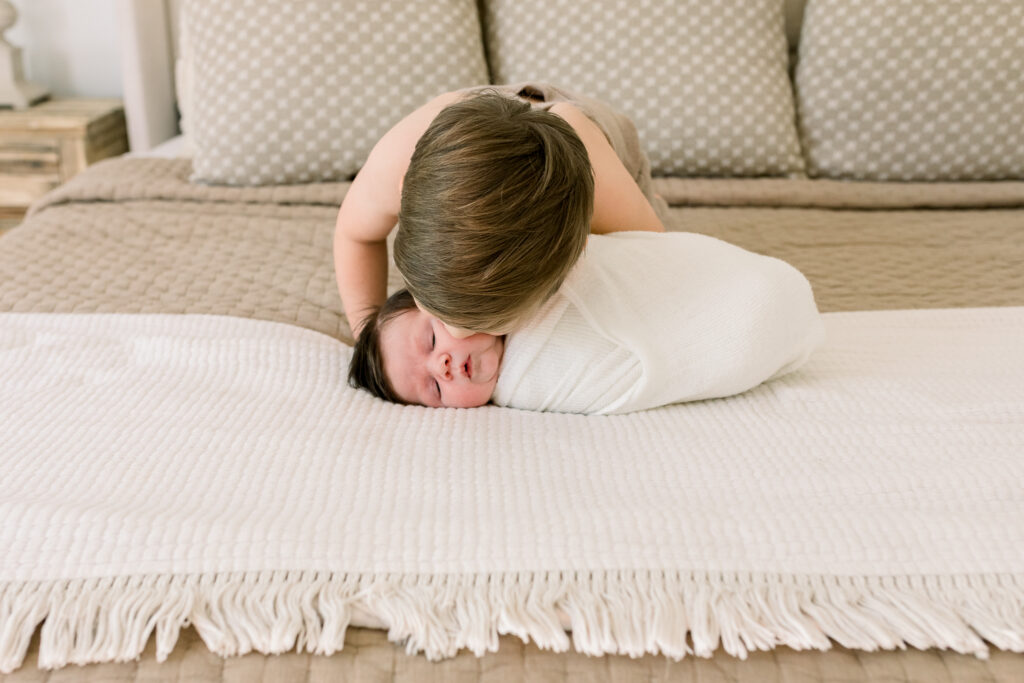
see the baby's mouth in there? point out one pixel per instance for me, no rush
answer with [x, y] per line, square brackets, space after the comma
[467, 367]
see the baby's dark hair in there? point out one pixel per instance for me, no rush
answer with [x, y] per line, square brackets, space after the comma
[366, 369]
[496, 209]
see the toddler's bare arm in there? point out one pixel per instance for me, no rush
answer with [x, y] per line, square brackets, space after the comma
[370, 211]
[367, 215]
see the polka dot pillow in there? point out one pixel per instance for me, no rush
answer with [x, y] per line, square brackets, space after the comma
[706, 83]
[297, 91]
[911, 90]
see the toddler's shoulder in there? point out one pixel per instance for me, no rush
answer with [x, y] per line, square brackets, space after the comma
[381, 176]
[395, 148]
[590, 133]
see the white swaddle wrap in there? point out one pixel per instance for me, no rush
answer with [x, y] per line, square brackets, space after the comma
[647, 319]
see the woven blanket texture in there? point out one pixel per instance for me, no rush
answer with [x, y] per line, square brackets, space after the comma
[164, 470]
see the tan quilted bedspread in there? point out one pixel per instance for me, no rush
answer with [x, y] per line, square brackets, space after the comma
[132, 235]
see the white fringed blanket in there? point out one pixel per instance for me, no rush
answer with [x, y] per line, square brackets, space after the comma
[160, 470]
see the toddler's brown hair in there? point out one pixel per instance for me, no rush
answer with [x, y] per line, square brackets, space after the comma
[496, 208]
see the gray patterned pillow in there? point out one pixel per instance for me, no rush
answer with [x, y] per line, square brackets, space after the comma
[293, 92]
[911, 90]
[705, 82]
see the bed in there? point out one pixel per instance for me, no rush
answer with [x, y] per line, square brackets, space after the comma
[134, 236]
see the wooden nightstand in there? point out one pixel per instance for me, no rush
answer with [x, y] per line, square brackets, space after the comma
[45, 145]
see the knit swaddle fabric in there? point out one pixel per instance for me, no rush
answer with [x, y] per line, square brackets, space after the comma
[648, 319]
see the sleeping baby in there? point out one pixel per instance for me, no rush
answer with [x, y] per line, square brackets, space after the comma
[643, 320]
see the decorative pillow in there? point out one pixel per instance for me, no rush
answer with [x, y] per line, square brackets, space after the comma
[294, 92]
[911, 90]
[706, 83]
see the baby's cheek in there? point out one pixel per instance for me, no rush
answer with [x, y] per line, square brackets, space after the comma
[471, 396]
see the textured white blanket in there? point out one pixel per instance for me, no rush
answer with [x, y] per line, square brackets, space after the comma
[160, 470]
[648, 319]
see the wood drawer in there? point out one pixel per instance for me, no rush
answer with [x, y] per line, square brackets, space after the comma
[48, 144]
[29, 168]
[20, 191]
[28, 157]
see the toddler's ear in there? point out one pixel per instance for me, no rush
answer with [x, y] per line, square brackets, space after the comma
[457, 332]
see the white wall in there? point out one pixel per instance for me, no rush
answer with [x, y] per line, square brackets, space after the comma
[70, 47]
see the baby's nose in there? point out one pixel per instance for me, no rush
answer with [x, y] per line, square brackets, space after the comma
[444, 365]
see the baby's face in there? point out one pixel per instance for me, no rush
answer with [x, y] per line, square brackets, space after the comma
[426, 365]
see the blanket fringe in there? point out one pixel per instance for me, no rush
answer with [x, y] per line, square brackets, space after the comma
[631, 612]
